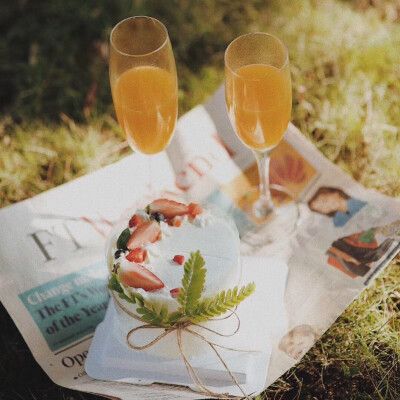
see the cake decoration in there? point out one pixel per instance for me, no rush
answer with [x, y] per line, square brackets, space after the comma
[191, 306]
[159, 275]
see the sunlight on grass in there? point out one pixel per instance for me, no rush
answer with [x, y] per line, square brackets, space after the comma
[346, 81]
[37, 157]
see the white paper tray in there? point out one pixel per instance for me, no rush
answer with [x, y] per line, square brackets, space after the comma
[109, 359]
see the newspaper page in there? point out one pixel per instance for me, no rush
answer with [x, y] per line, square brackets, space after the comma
[53, 273]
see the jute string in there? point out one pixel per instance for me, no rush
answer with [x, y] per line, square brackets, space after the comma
[179, 328]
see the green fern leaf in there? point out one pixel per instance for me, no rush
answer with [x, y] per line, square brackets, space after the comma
[164, 312]
[192, 307]
[139, 299]
[196, 319]
[192, 283]
[174, 317]
[157, 320]
[123, 296]
[143, 310]
[113, 284]
[148, 318]
[152, 315]
[221, 303]
[234, 292]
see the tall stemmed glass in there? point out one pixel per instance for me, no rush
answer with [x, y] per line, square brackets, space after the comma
[259, 102]
[144, 83]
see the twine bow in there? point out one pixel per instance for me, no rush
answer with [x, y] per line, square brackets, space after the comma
[179, 328]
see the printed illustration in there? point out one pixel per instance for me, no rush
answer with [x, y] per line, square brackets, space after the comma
[288, 168]
[335, 203]
[298, 341]
[288, 171]
[355, 254]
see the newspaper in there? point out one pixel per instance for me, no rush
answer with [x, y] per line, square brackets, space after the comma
[53, 273]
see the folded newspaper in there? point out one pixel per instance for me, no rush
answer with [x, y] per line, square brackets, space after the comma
[53, 272]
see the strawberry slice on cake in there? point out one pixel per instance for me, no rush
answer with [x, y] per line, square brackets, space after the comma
[137, 255]
[136, 276]
[148, 232]
[147, 252]
[171, 209]
[154, 243]
[136, 220]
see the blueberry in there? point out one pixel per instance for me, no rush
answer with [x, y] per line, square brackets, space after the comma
[158, 216]
[118, 253]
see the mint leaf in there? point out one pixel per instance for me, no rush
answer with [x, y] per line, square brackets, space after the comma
[367, 237]
[123, 239]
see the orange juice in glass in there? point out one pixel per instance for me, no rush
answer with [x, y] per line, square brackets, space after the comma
[145, 101]
[258, 96]
[144, 83]
[259, 100]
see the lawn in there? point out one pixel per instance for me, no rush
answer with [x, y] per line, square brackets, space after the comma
[57, 123]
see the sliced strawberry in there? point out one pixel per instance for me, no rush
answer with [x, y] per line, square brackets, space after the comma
[179, 259]
[167, 207]
[136, 220]
[146, 233]
[174, 292]
[195, 209]
[177, 222]
[137, 255]
[138, 277]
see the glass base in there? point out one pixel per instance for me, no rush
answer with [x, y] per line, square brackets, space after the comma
[272, 228]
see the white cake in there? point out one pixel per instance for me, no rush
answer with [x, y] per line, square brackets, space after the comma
[213, 235]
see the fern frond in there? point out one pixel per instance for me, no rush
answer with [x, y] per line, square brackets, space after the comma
[192, 307]
[221, 303]
[123, 296]
[174, 317]
[152, 315]
[139, 299]
[193, 281]
[115, 285]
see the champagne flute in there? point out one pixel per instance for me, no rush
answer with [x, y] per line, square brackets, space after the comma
[259, 102]
[144, 83]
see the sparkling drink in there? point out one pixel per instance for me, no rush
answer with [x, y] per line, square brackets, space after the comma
[259, 102]
[144, 83]
[145, 100]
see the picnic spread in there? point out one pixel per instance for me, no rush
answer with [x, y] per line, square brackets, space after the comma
[56, 289]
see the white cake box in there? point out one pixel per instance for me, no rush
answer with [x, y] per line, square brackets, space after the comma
[261, 315]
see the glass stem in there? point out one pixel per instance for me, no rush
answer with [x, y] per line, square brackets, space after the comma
[264, 206]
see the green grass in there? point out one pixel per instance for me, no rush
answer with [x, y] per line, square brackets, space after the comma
[358, 357]
[346, 99]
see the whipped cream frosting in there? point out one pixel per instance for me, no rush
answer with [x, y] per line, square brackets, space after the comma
[218, 241]
[215, 237]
